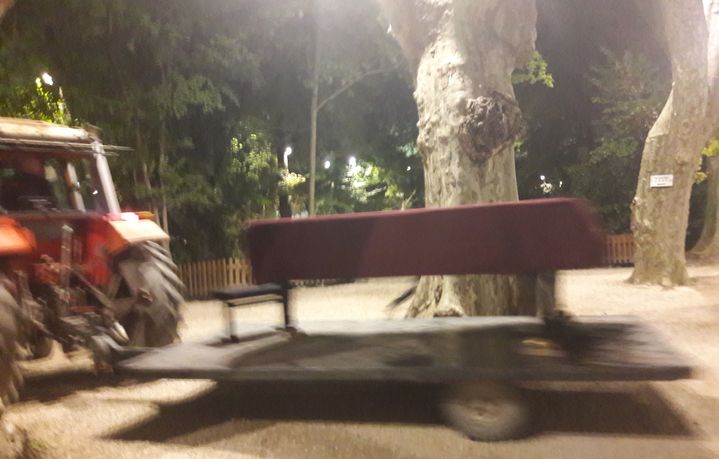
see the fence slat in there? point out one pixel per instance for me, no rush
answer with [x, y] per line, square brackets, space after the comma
[203, 277]
[619, 249]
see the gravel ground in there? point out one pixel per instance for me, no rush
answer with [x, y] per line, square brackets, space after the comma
[72, 413]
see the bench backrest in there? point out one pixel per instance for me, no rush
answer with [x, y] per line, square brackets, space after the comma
[532, 236]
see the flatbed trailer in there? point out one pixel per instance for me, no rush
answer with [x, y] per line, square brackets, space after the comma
[445, 350]
[479, 361]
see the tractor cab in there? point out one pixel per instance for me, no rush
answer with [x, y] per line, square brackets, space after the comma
[31, 182]
[72, 265]
[50, 168]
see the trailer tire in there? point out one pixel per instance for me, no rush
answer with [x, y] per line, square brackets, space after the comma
[11, 379]
[486, 411]
[152, 280]
[41, 347]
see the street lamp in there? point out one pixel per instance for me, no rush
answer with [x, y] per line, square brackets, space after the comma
[47, 79]
[288, 152]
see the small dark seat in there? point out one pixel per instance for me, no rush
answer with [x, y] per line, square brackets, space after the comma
[238, 293]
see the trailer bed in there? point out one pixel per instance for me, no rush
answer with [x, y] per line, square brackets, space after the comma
[609, 348]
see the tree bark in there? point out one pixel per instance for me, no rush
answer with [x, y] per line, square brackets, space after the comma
[707, 247]
[673, 146]
[463, 53]
[711, 10]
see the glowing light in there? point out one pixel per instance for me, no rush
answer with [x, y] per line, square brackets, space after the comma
[95, 192]
[288, 152]
[327, 164]
[409, 168]
[47, 79]
[541, 177]
[352, 161]
[130, 217]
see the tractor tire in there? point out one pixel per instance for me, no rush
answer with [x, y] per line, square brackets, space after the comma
[486, 411]
[10, 377]
[151, 278]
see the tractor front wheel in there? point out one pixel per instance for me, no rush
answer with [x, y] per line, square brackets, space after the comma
[151, 278]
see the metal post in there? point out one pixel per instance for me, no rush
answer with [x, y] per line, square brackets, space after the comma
[546, 295]
[230, 321]
[103, 171]
[287, 313]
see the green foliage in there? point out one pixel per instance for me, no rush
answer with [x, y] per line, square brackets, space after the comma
[536, 71]
[362, 187]
[630, 92]
[291, 180]
[39, 100]
[207, 93]
[700, 177]
[712, 149]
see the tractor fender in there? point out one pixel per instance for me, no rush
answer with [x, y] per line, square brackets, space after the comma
[124, 234]
[14, 239]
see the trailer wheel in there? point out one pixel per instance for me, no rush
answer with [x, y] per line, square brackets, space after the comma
[10, 377]
[150, 276]
[486, 411]
[41, 347]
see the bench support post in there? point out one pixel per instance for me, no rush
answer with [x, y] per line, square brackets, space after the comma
[289, 320]
[545, 293]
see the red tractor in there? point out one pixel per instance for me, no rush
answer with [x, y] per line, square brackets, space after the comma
[72, 264]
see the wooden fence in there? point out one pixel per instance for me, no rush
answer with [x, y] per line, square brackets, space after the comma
[202, 277]
[620, 249]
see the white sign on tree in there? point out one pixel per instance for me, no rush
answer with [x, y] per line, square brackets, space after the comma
[661, 181]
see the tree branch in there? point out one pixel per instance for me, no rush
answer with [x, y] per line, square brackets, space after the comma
[351, 83]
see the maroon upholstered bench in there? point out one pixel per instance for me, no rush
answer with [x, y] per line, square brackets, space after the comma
[525, 237]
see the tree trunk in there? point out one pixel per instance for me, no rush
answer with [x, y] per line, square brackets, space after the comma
[463, 53]
[162, 164]
[707, 247]
[314, 110]
[673, 146]
[313, 145]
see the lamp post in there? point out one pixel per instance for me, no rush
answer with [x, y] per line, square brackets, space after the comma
[288, 152]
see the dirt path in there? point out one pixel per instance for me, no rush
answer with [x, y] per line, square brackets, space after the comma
[74, 414]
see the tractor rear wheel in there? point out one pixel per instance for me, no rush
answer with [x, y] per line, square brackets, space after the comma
[151, 278]
[10, 376]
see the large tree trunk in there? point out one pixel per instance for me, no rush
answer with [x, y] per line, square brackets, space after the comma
[707, 247]
[463, 53]
[673, 146]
